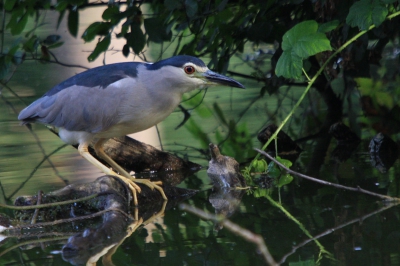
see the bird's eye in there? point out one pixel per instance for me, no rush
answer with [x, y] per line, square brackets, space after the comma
[189, 70]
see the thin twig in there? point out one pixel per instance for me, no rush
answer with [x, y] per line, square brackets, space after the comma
[326, 183]
[246, 234]
[331, 230]
[47, 205]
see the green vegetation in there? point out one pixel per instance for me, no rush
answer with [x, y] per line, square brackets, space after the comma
[309, 64]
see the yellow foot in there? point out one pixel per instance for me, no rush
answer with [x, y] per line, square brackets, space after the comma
[152, 185]
[132, 186]
[135, 188]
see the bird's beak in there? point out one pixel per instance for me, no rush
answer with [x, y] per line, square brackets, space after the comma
[218, 79]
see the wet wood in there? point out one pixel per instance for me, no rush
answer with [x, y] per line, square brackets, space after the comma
[113, 193]
[137, 156]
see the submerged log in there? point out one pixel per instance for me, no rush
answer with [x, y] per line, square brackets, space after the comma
[93, 228]
[112, 193]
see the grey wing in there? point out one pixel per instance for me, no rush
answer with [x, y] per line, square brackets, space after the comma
[77, 108]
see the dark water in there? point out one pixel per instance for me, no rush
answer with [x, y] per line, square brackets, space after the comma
[351, 228]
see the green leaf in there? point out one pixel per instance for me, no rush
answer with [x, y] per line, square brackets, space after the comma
[110, 12]
[311, 44]
[261, 192]
[289, 65]
[61, 5]
[284, 180]
[365, 13]
[136, 39]
[31, 44]
[55, 45]
[100, 47]
[285, 162]
[73, 22]
[9, 4]
[328, 26]
[259, 166]
[96, 28]
[18, 21]
[126, 50]
[191, 8]
[157, 30]
[273, 170]
[300, 42]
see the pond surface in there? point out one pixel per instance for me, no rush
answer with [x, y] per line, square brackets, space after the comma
[350, 228]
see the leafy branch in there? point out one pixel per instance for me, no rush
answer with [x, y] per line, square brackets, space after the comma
[298, 48]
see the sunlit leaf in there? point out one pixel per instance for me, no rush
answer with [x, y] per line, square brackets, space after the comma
[289, 65]
[365, 13]
[259, 166]
[261, 192]
[284, 180]
[285, 162]
[73, 22]
[300, 42]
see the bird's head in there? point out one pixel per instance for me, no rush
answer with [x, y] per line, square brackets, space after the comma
[188, 73]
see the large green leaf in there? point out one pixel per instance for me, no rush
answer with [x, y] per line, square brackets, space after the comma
[289, 65]
[365, 13]
[300, 42]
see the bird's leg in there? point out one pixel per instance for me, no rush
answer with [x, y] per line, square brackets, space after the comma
[98, 147]
[83, 150]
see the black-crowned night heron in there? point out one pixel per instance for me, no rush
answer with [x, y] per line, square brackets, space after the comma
[119, 99]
